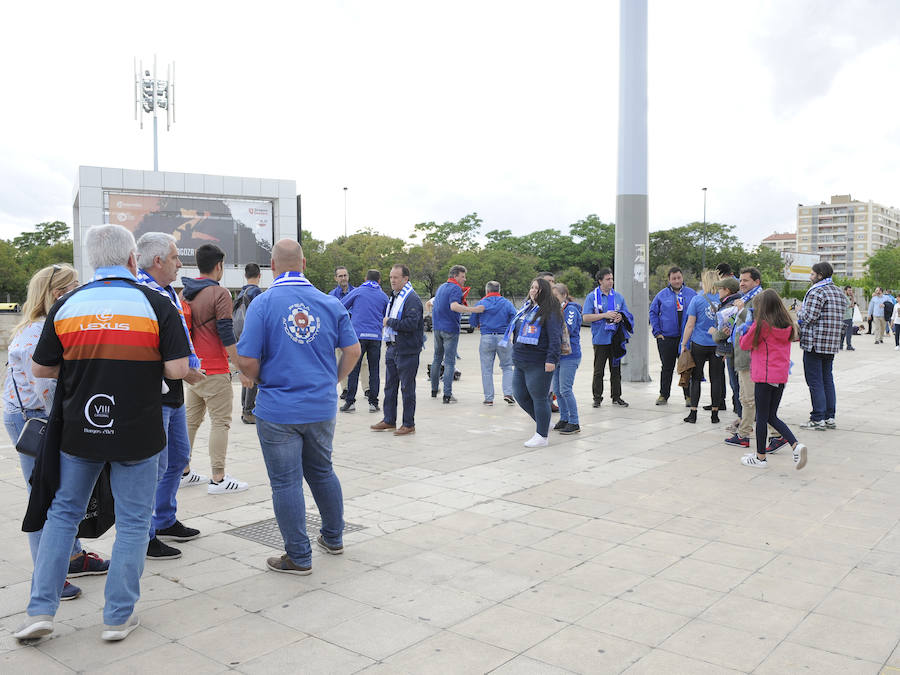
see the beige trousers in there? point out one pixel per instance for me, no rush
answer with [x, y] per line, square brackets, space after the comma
[747, 426]
[216, 395]
[878, 325]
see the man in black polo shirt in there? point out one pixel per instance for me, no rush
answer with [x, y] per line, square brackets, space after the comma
[109, 343]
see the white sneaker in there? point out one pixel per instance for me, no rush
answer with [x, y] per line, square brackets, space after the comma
[34, 627]
[192, 478]
[754, 461]
[811, 424]
[897, 349]
[799, 454]
[537, 441]
[116, 633]
[830, 423]
[227, 485]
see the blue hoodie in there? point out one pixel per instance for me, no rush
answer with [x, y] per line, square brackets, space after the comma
[664, 313]
[366, 305]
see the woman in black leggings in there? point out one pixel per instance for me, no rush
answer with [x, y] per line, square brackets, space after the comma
[702, 317]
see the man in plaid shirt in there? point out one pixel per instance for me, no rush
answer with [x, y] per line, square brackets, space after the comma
[821, 322]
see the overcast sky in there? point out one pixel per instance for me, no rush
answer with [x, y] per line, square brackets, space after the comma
[431, 110]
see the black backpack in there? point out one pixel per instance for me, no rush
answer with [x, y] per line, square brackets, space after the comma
[239, 313]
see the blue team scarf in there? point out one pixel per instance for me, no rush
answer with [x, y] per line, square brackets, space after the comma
[610, 306]
[291, 279]
[394, 310]
[372, 284]
[749, 295]
[821, 282]
[146, 280]
[530, 330]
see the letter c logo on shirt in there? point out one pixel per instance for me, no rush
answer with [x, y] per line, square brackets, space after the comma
[98, 410]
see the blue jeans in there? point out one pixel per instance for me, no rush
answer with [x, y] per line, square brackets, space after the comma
[133, 484]
[735, 386]
[848, 332]
[370, 349]
[819, 379]
[400, 373]
[487, 348]
[172, 460]
[531, 387]
[14, 423]
[563, 379]
[445, 345]
[293, 452]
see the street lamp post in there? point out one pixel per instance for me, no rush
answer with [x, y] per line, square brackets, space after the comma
[151, 94]
[345, 212]
[703, 263]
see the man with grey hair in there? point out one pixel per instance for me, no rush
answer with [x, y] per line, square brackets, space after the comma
[498, 312]
[158, 267]
[109, 344]
[449, 303]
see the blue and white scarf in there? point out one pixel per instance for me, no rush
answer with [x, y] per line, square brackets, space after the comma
[394, 310]
[291, 279]
[749, 295]
[371, 284]
[530, 331]
[818, 284]
[146, 280]
[611, 306]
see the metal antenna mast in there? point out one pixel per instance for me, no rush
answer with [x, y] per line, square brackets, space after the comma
[152, 94]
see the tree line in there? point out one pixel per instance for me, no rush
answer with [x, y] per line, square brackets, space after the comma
[573, 256]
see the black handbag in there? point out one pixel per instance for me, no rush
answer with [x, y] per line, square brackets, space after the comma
[100, 514]
[33, 435]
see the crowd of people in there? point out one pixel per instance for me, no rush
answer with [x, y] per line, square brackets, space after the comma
[105, 363]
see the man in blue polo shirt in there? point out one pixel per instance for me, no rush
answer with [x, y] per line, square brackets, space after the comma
[449, 303]
[366, 305]
[342, 279]
[667, 319]
[604, 308]
[289, 338]
[498, 312]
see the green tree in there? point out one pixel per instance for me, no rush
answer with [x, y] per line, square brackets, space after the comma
[884, 266]
[461, 235]
[45, 234]
[683, 246]
[579, 282]
[596, 247]
[429, 264]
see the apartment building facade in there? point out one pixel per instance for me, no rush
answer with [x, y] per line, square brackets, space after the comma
[780, 242]
[845, 232]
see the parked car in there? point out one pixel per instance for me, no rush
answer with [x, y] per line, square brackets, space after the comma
[464, 324]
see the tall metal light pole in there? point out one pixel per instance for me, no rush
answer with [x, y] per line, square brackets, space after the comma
[703, 263]
[151, 94]
[632, 230]
[345, 212]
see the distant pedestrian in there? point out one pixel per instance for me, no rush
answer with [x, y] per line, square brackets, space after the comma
[605, 309]
[250, 291]
[701, 317]
[848, 319]
[876, 313]
[769, 340]
[667, 318]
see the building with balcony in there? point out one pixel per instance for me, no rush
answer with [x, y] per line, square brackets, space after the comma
[845, 232]
[781, 241]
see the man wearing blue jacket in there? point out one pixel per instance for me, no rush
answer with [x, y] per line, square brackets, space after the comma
[366, 305]
[667, 319]
[498, 312]
[604, 309]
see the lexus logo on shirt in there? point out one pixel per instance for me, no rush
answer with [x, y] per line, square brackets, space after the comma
[98, 411]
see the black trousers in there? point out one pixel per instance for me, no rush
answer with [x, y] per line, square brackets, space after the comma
[668, 354]
[703, 354]
[401, 374]
[369, 349]
[602, 354]
[768, 398]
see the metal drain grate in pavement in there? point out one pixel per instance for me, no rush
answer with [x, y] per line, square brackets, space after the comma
[266, 531]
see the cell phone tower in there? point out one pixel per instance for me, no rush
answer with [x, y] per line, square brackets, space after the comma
[152, 94]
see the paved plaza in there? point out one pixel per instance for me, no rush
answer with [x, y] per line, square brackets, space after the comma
[640, 545]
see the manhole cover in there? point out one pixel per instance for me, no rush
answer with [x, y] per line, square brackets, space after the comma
[266, 531]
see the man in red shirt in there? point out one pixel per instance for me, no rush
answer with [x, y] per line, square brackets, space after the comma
[213, 335]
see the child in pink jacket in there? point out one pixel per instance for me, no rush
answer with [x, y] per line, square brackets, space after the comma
[769, 339]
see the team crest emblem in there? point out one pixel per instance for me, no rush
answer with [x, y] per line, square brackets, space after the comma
[300, 325]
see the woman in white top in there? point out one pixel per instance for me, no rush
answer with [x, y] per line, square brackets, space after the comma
[26, 396]
[895, 319]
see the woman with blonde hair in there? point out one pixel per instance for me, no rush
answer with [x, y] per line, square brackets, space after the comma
[26, 396]
[701, 315]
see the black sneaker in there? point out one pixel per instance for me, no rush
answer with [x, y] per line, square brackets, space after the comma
[348, 406]
[156, 550]
[178, 532]
[621, 402]
[434, 393]
[450, 399]
[560, 425]
[328, 548]
[510, 400]
[597, 402]
[344, 394]
[570, 429]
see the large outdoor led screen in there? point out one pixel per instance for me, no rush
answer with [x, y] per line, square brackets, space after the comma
[240, 227]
